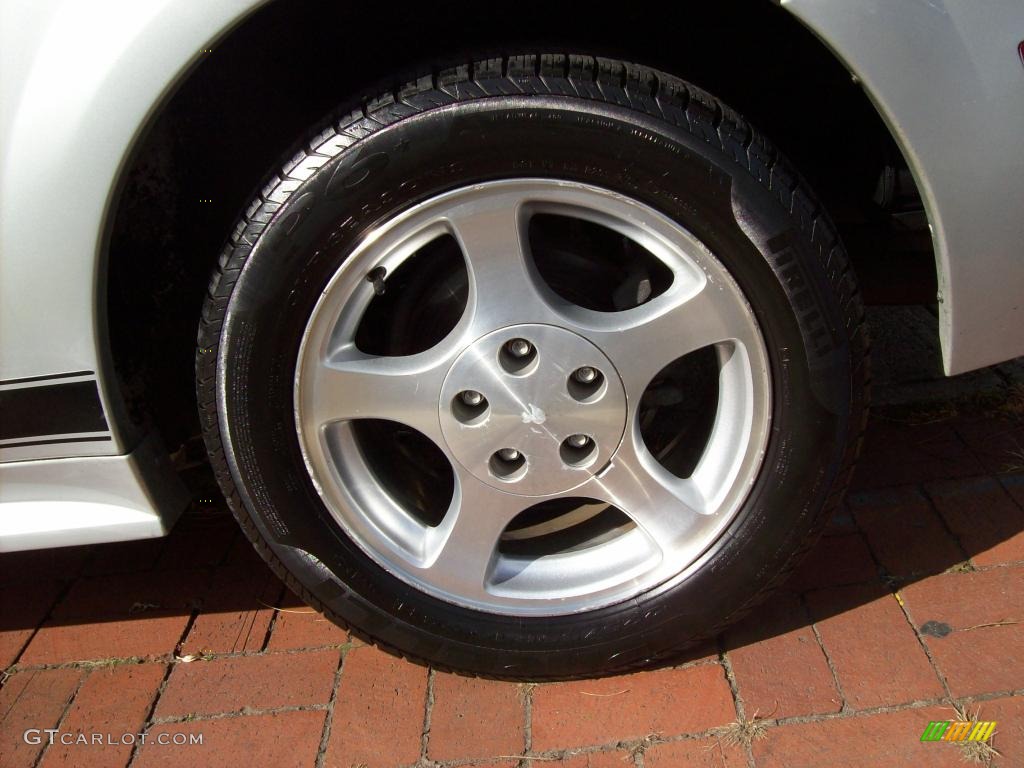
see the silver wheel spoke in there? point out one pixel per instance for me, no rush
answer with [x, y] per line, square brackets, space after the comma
[665, 507]
[463, 547]
[642, 341]
[357, 386]
[504, 285]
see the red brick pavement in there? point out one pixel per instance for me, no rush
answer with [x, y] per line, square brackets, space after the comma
[910, 609]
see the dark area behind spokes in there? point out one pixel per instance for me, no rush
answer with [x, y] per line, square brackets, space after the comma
[417, 475]
[585, 263]
[677, 410]
[562, 525]
[422, 302]
[593, 266]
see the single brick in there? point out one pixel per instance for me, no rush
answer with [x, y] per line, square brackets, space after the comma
[22, 608]
[780, 668]
[124, 557]
[984, 652]
[986, 660]
[379, 694]
[258, 682]
[835, 561]
[70, 640]
[116, 617]
[875, 651]
[898, 455]
[984, 517]
[200, 540]
[889, 740]
[997, 443]
[112, 700]
[33, 699]
[33, 565]
[968, 599]
[905, 533]
[667, 702]
[281, 740]
[146, 594]
[475, 718]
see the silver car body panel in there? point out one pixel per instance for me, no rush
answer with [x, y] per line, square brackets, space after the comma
[79, 81]
[88, 500]
[946, 77]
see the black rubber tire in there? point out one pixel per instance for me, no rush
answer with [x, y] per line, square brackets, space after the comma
[608, 123]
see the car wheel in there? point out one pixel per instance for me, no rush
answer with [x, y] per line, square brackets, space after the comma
[538, 367]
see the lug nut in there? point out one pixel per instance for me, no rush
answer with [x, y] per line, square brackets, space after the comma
[507, 464]
[471, 397]
[578, 441]
[578, 451]
[585, 375]
[519, 348]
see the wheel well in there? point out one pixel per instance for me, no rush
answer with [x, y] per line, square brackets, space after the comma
[235, 116]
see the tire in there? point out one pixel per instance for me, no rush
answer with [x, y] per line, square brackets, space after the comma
[625, 135]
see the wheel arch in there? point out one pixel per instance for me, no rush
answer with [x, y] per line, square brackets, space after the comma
[236, 110]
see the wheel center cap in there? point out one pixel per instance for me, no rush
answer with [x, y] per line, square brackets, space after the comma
[533, 410]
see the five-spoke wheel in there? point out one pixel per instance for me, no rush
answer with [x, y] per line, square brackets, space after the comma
[533, 399]
[537, 367]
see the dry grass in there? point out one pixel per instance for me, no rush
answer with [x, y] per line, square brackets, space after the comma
[741, 733]
[977, 752]
[980, 752]
[1016, 462]
[932, 414]
[1013, 405]
[1005, 402]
